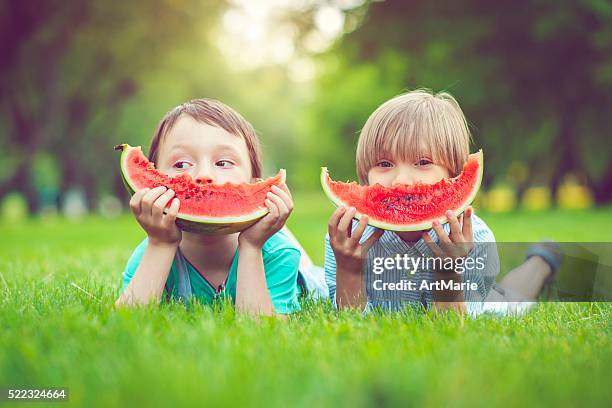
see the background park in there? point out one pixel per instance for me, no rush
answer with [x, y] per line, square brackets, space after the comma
[77, 77]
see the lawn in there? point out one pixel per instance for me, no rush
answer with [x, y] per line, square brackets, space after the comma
[58, 328]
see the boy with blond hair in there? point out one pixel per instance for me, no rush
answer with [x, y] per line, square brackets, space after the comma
[418, 137]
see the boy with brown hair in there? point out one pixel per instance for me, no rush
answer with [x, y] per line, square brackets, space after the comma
[256, 268]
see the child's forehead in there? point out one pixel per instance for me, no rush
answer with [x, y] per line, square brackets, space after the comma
[190, 133]
[404, 149]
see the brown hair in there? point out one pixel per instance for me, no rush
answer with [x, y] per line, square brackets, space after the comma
[214, 113]
[413, 124]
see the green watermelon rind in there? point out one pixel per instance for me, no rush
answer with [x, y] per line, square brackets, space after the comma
[198, 224]
[425, 225]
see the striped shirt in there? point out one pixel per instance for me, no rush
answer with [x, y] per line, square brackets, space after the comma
[399, 271]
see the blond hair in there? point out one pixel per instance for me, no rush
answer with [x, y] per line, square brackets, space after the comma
[414, 125]
[214, 113]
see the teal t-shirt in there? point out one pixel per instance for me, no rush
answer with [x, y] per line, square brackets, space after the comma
[281, 259]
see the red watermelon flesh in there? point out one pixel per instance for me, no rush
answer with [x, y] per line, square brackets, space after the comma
[204, 207]
[409, 207]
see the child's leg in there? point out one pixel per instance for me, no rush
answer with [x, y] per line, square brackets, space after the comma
[313, 276]
[519, 289]
[305, 261]
[528, 279]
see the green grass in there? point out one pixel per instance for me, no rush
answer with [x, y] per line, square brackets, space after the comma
[58, 328]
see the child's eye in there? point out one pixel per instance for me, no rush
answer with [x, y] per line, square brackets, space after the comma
[423, 162]
[182, 165]
[224, 163]
[384, 163]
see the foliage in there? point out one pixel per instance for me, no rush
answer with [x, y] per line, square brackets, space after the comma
[68, 69]
[533, 78]
[78, 77]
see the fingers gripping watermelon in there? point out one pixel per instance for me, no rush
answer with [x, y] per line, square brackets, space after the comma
[204, 208]
[409, 207]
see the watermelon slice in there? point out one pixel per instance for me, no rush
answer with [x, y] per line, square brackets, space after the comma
[204, 208]
[408, 207]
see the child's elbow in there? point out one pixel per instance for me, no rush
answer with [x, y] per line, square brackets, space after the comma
[120, 300]
[459, 307]
[126, 299]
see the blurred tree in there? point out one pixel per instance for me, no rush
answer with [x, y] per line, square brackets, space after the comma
[67, 68]
[533, 76]
[78, 77]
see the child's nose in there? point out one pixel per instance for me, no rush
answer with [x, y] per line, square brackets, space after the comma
[404, 177]
[204, 175]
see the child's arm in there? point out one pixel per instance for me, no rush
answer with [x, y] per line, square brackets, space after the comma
[150, 277]
[457, 245]
[349, 255]
[164, 237]
[252, 295]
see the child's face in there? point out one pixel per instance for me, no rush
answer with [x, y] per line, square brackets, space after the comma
[390, 172]
[208, 153]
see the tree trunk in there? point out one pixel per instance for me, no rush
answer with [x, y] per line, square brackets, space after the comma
[69, 179]
[568, 157]
[603, 189]
[12, 184]
[25, 185]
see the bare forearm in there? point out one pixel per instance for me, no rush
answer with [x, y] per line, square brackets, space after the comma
[350, 288]
[252, 295]
[150, 277]
[448, 299]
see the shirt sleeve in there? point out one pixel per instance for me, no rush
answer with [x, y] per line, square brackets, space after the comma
[485, 267]
[281, 267]
[132, 264]
[330, 271]
[483, 271]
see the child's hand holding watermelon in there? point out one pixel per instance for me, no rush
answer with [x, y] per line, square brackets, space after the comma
[350, 254]
[280, 205]
[460, 241]
[148, 206]
[348, 250]
[456, 245]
